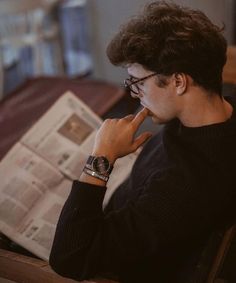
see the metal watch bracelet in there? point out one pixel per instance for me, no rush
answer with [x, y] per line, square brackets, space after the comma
[95, 174]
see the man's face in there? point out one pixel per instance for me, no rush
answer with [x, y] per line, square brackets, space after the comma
[160, 101]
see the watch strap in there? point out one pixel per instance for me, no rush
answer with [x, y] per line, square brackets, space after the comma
[90, 160]
[95, 174]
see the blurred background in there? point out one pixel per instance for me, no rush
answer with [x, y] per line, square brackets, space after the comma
[69, 37]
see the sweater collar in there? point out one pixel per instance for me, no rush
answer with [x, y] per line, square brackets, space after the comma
[213, 130]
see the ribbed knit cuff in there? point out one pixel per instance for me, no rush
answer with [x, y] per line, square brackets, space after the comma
[84, 196]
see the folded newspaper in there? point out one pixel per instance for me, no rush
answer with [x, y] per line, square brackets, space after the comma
[36, 174]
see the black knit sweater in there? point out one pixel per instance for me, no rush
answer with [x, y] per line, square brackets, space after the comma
[182, 187]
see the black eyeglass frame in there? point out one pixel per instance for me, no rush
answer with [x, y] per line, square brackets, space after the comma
[128, 86]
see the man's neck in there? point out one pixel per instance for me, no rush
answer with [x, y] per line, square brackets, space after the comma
[201, 108]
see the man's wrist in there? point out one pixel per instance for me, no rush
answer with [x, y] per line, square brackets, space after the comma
[97, 167]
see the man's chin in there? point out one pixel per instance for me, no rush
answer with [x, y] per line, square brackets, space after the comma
[154, 118]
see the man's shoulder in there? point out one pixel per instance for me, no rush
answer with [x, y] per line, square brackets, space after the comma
[167, 179]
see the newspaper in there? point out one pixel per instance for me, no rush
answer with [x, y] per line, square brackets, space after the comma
[36, 174]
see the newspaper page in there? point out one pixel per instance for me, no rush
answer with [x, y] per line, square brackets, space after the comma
[26, 180]
[36, 174]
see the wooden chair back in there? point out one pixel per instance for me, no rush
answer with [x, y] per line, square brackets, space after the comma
[224, 265]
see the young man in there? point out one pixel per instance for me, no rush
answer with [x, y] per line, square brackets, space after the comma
[182, 186]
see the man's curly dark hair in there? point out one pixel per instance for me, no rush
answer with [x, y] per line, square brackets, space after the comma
[167, 38]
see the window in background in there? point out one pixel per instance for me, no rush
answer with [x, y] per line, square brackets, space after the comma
[73, 21]
[29, 43]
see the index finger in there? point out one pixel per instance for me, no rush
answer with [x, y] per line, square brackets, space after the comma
[140, 117]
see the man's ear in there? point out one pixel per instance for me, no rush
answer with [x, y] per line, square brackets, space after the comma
[180, 81]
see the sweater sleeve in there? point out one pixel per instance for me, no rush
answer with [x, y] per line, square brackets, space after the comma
[88, 242]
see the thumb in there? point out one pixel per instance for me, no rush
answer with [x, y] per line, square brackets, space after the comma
[141, 139]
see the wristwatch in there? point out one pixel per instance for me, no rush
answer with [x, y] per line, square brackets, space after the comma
[99, 167]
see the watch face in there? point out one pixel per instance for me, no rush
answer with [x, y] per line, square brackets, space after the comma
[101, 165]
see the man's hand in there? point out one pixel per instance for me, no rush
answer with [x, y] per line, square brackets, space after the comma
[115, 138]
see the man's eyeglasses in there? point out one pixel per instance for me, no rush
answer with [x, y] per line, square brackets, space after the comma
[133, 86]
